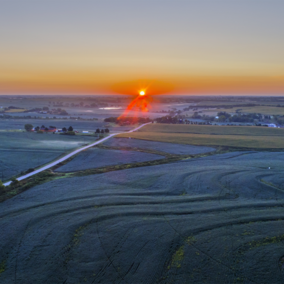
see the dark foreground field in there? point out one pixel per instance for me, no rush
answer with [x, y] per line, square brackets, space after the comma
[217, 219]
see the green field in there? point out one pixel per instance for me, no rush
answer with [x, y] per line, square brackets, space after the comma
[238, 136]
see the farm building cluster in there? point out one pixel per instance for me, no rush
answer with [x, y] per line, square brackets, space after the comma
[51, 129]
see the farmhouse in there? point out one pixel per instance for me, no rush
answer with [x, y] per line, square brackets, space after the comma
[48, 129]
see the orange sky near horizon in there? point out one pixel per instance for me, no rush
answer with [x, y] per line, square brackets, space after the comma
[173, 47]
[92, 83]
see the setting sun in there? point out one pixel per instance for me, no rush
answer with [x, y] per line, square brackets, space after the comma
[142, 93]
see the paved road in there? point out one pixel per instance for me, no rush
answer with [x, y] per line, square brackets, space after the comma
[70, 155]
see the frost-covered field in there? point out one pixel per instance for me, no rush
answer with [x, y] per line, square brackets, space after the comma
[217, 219]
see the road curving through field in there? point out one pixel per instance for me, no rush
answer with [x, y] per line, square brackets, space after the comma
[71, 154]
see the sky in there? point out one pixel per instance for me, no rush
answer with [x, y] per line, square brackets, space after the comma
[186, 46]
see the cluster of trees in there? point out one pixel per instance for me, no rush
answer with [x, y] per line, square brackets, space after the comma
[43, 128]
[208, 118]
[198, 123]
[169, 119]
[70, 128]
[224, 116]
[178, 120]
[102, 130]
[196, 115]
[58, 111]
[29, 127]
[111, 119]
[12, 107]
[127, 120]
[7, 116]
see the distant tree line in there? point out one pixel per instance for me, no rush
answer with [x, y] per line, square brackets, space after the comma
[29, 127]
[127, 120]
[7, 116]
[168, 119]
[224, 116]
[58, 111]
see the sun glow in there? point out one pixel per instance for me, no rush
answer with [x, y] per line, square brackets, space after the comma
[142, 92]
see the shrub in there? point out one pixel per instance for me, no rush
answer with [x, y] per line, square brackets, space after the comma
[2, 186]
[110, 119]
[14, 182]
[63, 112]
[28, 127]
[68, 133]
